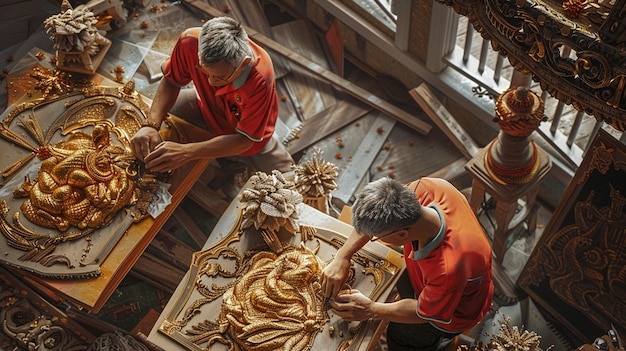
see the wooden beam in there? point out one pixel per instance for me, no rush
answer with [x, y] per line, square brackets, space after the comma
[326, 122]
[444, 120]
[208, 199]
[192, 228]
[351, 176]
[322, 73]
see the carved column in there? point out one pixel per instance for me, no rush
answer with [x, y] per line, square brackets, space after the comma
[511, 167]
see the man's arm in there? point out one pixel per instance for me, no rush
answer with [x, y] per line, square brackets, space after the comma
[147, 138]
[354, 306]
[164, 99]
[171, 155]
[336, 273]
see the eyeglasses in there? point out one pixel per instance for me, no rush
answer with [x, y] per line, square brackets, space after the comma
[376, 237]
[225, 80]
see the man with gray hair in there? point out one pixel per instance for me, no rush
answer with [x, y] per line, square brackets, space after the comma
[234, 97]
[447, 286]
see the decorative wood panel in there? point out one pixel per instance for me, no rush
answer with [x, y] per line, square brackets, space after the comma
[577, 269]
[224, 286]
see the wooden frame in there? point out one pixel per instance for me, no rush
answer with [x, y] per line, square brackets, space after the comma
[576, 271]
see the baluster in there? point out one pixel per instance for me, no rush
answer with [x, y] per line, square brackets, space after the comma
[484, 50]
[574, 131]
[467, 50]
[497, 73]
[558, 112]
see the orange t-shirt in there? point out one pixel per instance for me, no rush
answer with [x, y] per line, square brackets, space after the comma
[451, 275]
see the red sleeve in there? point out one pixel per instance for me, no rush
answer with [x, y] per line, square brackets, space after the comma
[184, 58]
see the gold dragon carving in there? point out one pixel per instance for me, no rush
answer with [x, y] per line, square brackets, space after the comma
[83, 181]
[87, 175]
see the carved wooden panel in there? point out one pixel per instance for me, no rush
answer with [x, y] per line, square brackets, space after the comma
[70, 186]
[577, 269]
[239, 294]
[31, 323]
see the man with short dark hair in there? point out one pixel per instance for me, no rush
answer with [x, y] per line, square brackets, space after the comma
[448, 263]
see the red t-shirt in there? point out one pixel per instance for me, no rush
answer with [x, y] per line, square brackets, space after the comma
[250, 109]
[451, 275]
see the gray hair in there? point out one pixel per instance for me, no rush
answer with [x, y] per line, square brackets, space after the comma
[223, 39]
[383, 206]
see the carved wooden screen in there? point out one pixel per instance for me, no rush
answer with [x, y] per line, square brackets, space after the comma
[577, 271]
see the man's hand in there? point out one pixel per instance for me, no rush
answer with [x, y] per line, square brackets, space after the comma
[352, 305]
[168, 155]
[334, 276]
[144, 141]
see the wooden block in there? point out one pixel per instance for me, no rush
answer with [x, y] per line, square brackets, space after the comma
[327, 122]
[346, 214]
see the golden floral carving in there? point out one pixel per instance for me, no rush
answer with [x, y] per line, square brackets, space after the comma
[511, 338]
[315, 180]
[74, 31]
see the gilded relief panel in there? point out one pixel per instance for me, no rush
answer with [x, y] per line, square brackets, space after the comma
[70, 185]
[254, 290]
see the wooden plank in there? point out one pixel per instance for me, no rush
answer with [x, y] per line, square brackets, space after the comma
[190, 226]
[157, 272]
[169, 248]
[452, 171]
[326, 122]
[350, 178]
[322, 73]
[444, 120]
[312, 94]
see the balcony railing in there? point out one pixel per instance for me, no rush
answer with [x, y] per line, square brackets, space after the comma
[567, 130]
[464, 66]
